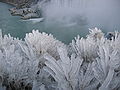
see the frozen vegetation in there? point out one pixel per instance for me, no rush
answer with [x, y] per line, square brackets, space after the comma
[40, 62]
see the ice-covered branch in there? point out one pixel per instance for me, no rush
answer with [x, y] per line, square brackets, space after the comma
[66, 70]
[41, 62]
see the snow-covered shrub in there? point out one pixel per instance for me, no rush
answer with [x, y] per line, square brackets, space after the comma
[20, 64]
[85, 48]
[43, 63]
[65, 71]
[95, 34]
[42, 43]
[99, 74]
[105, 64]
[115, 42]
[68, 72]
[15, 66]
[88, 47]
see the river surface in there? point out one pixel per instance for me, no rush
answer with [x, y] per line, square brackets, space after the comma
[64, 31]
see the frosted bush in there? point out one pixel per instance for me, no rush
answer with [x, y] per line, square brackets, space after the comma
[98, 74]
[66, 70]
[88, 47]
[20, 64]
[15, 67]
[43, 63]
[105, 65]
[42, 43]
[95, 34]
[115, 42]
[85, 48]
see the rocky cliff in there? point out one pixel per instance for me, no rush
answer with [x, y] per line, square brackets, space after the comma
[25, 8]
[20, 3]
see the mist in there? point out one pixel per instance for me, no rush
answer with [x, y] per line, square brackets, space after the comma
[103, 14]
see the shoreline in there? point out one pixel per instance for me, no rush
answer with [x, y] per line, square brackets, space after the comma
[25, 13]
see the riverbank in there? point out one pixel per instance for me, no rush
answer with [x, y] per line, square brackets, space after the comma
[24, 9]
[18, 4]
[26, 13]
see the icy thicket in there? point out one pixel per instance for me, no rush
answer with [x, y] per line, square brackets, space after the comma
[41, 62]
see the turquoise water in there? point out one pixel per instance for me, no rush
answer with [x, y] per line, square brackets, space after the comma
[18, 28]
[64, 31]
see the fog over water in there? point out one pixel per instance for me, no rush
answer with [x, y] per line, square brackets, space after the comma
[65, 19]
[100, 13]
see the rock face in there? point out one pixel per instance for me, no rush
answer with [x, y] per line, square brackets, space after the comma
[20, 3]
[26, 13]
[30, 15]
[110, 35]
[25, 8]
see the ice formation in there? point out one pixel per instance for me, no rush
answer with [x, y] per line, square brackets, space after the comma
[41, 62]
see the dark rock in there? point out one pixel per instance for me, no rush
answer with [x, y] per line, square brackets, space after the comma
[30, 15]
[26, 13]
[110, 35]
[25, 8]
[17, 12]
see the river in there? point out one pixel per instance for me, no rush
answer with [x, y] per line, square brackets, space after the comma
[64, 29]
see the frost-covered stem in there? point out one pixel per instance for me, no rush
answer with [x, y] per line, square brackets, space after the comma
[107, 80]
[1, 81]
[67, 86]
[70, 86]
